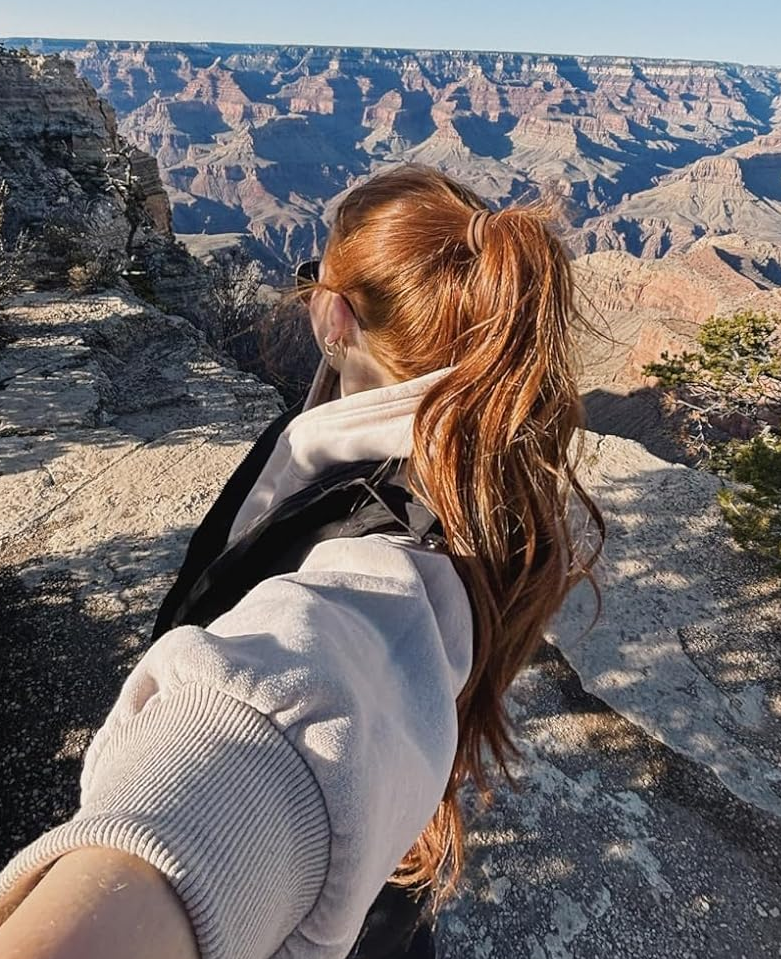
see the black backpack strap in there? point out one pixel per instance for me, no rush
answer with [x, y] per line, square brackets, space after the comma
[280, 544]
[210, 537]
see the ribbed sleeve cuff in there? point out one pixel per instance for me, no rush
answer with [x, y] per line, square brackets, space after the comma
[207, 790]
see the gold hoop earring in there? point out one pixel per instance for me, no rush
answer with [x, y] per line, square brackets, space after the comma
[334, 348]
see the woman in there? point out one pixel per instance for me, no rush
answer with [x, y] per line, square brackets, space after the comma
[262, 776]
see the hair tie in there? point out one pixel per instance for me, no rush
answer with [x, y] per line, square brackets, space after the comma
[476, 230]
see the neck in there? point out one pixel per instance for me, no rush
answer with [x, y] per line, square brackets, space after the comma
[359, 372]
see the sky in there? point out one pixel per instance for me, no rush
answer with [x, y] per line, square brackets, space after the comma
[745, 32]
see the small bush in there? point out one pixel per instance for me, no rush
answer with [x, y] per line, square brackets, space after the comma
[235, 297]
[735, 378]
[754, 512]
[74, 239]
[98, 274]
[266, 334]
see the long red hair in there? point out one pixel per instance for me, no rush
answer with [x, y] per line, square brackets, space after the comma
[492, 437]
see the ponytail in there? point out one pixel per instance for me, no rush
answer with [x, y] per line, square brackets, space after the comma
[491, 438]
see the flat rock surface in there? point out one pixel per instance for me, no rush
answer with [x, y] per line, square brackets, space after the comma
[647, 820]
[118, 427]
[647, 817]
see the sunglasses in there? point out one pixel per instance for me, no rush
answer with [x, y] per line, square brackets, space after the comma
[307, 278]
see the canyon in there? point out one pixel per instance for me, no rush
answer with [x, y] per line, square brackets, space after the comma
[665, 174]
[256, 143]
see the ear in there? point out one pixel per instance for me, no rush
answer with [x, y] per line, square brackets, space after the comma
[340, 321]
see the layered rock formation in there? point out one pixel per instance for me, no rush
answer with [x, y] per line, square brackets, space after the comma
[82, 193]
[648, 306]
[737, 192]
[641, 308]
[258, 140]
[59, 144]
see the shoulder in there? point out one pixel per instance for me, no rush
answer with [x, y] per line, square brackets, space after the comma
[365, 649]
[389, 563]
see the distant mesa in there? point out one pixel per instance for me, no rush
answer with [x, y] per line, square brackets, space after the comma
[648, 156]
[736, 192]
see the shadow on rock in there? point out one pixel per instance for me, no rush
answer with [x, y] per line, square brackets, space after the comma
[63, 667]
[638, 416]
[648, 766]
[66, 650]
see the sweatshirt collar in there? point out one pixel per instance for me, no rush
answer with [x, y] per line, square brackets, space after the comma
[372, 424]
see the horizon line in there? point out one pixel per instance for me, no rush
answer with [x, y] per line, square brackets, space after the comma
[357, 46]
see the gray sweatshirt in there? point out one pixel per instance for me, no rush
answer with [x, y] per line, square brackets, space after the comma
[276, 765]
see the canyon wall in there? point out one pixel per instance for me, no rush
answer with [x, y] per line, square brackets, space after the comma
[256, 141]
[82, 194]
[59, 144]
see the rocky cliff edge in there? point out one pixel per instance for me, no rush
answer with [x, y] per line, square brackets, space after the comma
[647, 821]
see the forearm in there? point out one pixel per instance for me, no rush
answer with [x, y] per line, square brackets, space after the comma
[93, 903]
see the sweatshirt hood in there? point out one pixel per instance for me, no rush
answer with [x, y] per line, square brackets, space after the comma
[372, 424]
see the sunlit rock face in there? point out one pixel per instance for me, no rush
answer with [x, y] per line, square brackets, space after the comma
[647, 155]
[59, 142]
[737, 192]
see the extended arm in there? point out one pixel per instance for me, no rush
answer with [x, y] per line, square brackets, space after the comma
[273, 767]
[93, 903]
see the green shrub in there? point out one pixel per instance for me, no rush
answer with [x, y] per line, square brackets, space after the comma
[736, 369]
[735, 352]
[15, 255]
[753, 512]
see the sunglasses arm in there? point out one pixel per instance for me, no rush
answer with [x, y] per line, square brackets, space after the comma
[325, 386]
